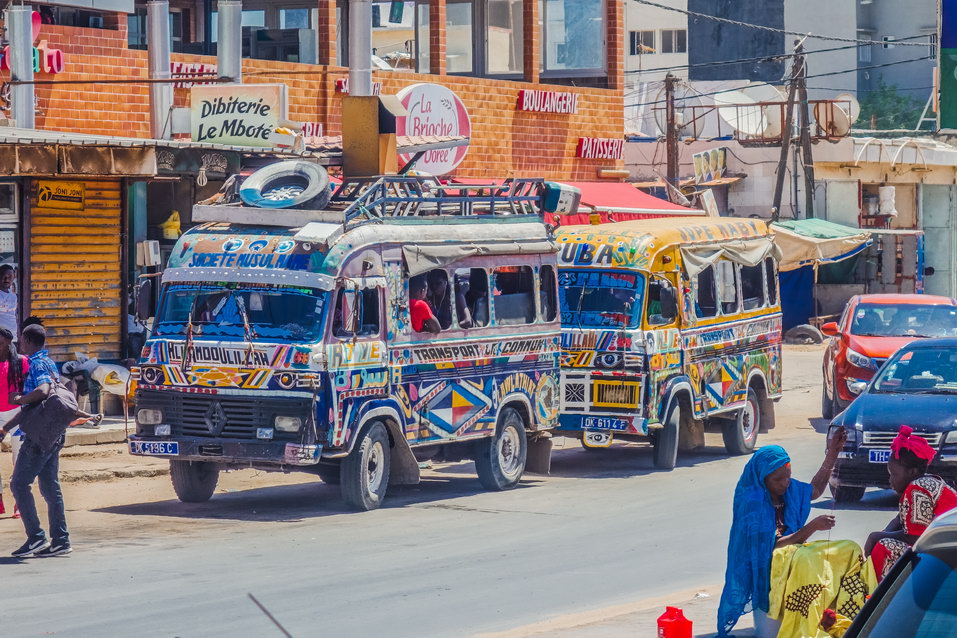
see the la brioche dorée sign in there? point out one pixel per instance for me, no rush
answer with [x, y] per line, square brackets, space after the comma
[434, 110]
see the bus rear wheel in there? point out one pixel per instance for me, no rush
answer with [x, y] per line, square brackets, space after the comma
[365, 472]
[193, 481]
[500, 460]
[741, 433]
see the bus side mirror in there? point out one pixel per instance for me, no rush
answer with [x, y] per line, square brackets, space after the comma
[144, 300]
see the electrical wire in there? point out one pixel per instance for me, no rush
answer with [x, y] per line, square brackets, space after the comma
[765, 58]
[815, 75]
[761, 27]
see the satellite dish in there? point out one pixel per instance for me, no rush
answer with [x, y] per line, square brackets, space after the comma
[741, 112]
[849, 105]
[687, 118]
[832, 119]
[772, 113]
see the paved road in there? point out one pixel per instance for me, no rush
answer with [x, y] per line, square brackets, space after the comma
[442, 559]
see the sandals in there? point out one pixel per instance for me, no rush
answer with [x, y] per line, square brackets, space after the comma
[92, 422]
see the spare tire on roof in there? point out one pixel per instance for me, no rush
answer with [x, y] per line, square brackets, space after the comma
[287, 184]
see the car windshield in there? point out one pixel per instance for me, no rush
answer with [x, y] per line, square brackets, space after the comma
[921, 370]
[594, 298]
[922, 601]
[904, 320]
[273, 312]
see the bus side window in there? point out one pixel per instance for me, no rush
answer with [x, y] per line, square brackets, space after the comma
[771, 278]
[514, 295]
[357, 313]
[728, 287]
[439, 297]
[548, 293]
[662, 302]
[752, 286]
[471, 297]
[706, 296]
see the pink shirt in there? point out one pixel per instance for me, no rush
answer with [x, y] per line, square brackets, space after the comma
[5, 388]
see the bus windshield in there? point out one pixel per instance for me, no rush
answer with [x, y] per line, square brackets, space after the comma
[272, 312]
[595, 298]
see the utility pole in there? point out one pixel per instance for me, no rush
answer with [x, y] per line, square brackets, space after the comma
[786, 133]
[671, 135]
[807, 158]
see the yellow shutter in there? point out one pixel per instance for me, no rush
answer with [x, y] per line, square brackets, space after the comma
[75, 275]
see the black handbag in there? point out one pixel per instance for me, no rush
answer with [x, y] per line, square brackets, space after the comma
[45, 422]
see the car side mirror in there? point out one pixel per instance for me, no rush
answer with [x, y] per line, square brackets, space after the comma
[830, 329]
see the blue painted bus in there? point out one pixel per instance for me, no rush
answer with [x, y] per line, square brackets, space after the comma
[401, 322]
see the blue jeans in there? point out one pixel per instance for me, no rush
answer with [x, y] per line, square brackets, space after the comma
[34, 463]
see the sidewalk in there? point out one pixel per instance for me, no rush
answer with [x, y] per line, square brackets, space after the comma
[111, 430]
[639, 619]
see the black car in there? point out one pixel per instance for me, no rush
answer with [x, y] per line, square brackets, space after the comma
[917, 386]
[918, 598]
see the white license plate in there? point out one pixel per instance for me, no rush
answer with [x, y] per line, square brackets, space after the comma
[605, 423]
[878, 456]
[155, 448]
[597, 439]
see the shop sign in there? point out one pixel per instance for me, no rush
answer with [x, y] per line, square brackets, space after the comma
[547, 101]
[708, 165]
[45, 58]
[600, 148]
[434, 110]
[187, 70]
[312, 130]
[241, 114]
[342, 86]
[62, 195]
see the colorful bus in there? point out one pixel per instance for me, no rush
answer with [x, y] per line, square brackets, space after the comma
[670, 328]
[401, 322]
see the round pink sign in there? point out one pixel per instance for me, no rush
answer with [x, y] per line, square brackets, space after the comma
[434, 110]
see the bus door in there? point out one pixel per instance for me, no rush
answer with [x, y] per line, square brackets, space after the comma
[663, 348]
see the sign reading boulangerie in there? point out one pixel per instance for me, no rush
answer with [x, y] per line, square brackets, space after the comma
[241, 114]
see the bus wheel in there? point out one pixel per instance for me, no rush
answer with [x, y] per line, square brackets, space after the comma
[741, 433]
[500, 460]
[666, 440]
[193, 481]
[365, 472]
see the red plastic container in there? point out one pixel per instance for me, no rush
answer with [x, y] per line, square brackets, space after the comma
[673, 624]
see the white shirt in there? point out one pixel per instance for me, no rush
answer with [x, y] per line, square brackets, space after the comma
[8, 311]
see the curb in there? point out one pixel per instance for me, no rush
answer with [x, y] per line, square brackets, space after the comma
[81, 436]
[95, 476]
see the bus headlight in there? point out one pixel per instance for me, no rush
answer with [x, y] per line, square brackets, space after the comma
[146, 416]
[288, 423]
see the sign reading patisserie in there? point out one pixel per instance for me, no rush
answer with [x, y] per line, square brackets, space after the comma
[547, 101]
[600, 148]
[434, 110]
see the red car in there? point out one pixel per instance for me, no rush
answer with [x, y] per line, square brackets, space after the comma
[872, 328]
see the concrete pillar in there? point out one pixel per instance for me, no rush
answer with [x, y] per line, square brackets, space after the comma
[360, 47]
[157, 45]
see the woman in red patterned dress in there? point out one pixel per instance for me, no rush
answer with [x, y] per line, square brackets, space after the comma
[923, 497]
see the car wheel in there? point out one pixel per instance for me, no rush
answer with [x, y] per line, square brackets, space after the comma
[741, 434]
[847, 493]
[365, 472]
[827, 403]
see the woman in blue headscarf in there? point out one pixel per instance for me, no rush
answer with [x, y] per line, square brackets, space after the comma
[770, 511]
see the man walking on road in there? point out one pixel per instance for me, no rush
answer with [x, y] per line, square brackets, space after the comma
[37, 461]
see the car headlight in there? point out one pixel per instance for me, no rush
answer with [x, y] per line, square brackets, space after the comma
[859, 360]
[951, 437]
[146, 416]
[288, 423]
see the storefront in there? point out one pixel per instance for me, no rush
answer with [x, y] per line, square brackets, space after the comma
[534, 77]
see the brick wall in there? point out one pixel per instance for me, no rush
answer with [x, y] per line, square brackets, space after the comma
[505, 142]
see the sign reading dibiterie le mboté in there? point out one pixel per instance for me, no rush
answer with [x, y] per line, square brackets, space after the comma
[241, 115]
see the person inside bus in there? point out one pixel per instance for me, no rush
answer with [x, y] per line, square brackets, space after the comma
[440, 301]
[219, 308]
[423, 320]
[477, 296]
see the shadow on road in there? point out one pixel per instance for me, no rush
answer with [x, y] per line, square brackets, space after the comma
[622, 460]
[874, 499]
[820, 424]
[295, 503]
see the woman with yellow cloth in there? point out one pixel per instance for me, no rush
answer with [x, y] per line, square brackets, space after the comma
[772, 570]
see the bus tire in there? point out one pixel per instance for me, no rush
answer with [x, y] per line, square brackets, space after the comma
[193, 481]
[666, 440]
[329, 474]
[741, 433]
[500, 459]
[365, 472]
